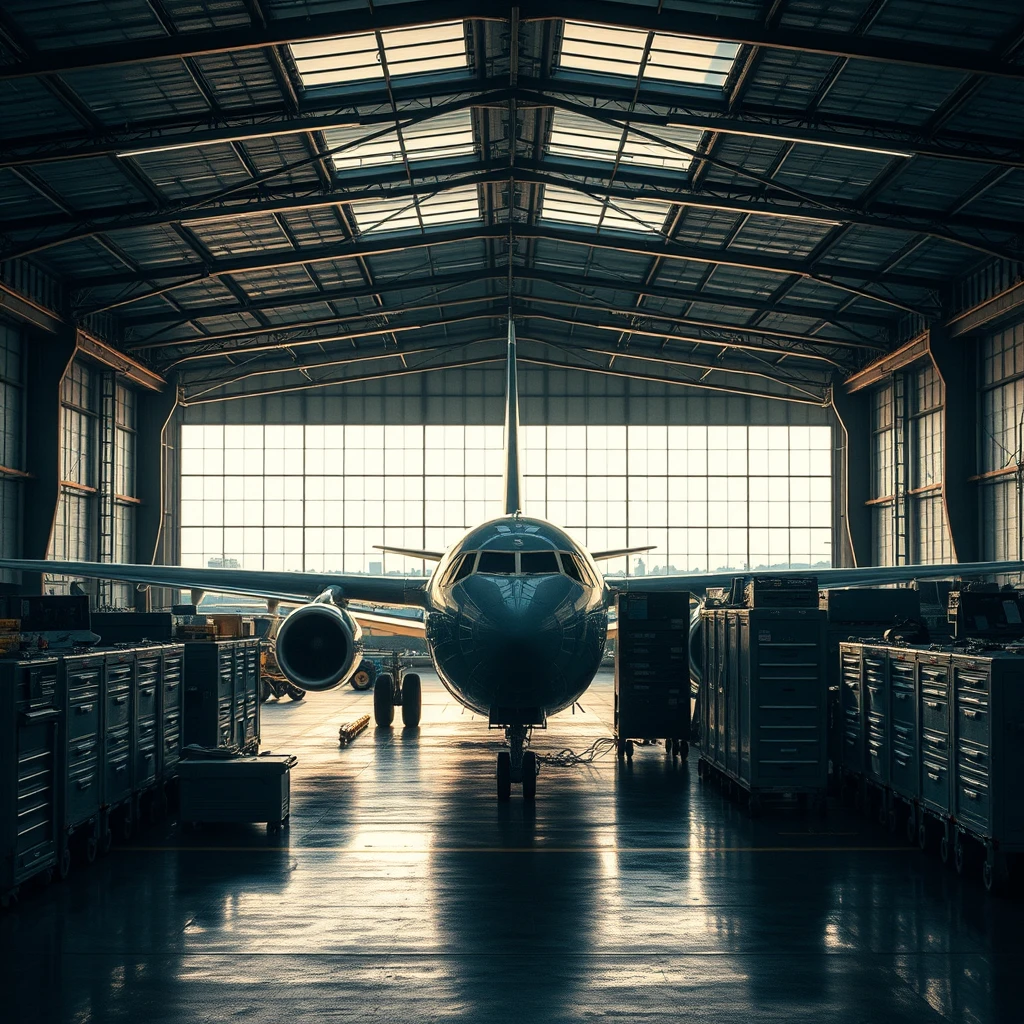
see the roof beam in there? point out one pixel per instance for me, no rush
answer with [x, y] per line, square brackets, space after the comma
[444, 282]
[738, 199]
[182, 275]
[961, 60]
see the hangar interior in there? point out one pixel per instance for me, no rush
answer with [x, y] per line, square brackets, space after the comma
[258, 261]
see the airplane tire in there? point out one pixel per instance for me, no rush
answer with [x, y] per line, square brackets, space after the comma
[504, 775]
[384, 700]
[364, 676]
[529, 775]
[412, 700]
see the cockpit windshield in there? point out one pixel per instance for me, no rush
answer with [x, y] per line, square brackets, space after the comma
[517, 563]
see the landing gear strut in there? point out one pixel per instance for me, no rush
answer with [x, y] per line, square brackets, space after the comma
[517, 764]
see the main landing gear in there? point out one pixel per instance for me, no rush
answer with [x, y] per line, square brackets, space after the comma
[517, 764]
[387, 696]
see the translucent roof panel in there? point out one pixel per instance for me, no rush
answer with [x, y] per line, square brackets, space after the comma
[569, 207]
[575, 135]
[408, 51]
[452, 206]
[438, 138]
[616, 51]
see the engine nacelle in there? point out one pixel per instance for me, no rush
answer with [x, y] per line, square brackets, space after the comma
[319, 646]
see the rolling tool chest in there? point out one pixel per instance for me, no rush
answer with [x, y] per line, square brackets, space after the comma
[30, 728]
[763, 699]
[652, 670]
[237, 789]
[952, 748]
[221, 700]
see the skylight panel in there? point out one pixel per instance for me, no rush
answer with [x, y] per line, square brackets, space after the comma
[680, 59]
[408, 51]
[453, 206]
[566, 206]
[582, 138]
[440, 138]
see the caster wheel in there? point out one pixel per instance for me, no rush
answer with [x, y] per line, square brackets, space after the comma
[504, 775]
[620, 749]
[629, 749]
[412, 700]
[294, 692]
[922, 835]
[944, 849]
[529, 775]
[64, 864]
[274, 828]
[988, 877]
[384, 700]
[91, 846]
[684, 750]
[106, 841]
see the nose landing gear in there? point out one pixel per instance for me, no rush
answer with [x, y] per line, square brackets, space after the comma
[517, 764]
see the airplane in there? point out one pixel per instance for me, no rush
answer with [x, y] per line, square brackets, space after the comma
[515, 613]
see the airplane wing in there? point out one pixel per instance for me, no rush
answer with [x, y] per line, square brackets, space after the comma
[401, 591]
[381, 624]
[867, 576]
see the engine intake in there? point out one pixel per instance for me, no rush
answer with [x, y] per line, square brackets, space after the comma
[319, 646]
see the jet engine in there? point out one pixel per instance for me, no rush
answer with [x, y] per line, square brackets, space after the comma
[319, 645]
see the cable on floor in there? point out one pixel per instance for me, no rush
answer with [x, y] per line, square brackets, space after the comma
[569, 758]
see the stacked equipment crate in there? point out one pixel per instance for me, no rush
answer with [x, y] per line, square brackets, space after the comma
[30, 721]
[221, 701]
[952, 748]
[652, 673]
[762, 702]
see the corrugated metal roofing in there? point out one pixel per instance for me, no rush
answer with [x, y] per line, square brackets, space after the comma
[827, 196]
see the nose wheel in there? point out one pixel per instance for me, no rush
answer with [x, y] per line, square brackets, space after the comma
[517, 765]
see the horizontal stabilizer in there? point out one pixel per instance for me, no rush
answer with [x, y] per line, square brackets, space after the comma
[430, 556]
[599, 556]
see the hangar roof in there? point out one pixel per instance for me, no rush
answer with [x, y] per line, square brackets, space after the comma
[744, 195]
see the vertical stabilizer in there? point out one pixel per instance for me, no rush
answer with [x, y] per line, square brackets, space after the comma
[513, 469]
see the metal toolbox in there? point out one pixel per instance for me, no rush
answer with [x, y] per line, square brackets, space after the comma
[119, 679]
[145, 736]
[764, 699]
[652, 669]
[30, 719]
[171, 701]
[80, 690]
[221, 693]
[237, 789]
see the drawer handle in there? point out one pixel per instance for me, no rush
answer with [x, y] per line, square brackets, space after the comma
[931, 703]
[123, 699]
[84, 749]
[972, 793]
[84, 784]
[121, 768]
[84, 709]
[934, 776]
[149, 757]
[969, 712]
[901, 696]
[902, 761]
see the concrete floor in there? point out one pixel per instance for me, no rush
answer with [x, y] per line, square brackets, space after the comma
[404, 892]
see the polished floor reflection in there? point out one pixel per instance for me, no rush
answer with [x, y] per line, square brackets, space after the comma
[403, 891]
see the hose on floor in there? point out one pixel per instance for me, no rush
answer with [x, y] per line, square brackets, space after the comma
[569, 758]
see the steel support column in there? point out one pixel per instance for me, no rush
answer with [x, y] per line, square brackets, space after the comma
[956, 364]
[154, 460]
[851, 476]
[49, 358]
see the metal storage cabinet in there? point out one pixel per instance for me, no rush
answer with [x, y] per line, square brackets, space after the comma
[903, 756]
[209, 681]
[250, 708]
[149, 665]
[875, 682]
[652, 669]
[237, 789]
[119, 680]
[172, 695]
[80, 691]
[766, 698]
[988, 755]
[851, 707]
[30, 720]
[933, 670]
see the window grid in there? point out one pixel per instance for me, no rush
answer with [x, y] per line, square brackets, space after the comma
[319, 498]
[12, 444]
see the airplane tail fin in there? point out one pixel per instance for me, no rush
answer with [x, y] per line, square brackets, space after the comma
[513, 488]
